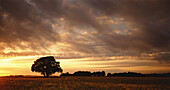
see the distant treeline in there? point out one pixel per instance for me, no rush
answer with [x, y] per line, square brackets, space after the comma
[99, 74]
[85, 73]
[124, 74]
[134, 74]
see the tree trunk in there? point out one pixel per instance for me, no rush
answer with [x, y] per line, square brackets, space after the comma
[47, 75]
[44, 75]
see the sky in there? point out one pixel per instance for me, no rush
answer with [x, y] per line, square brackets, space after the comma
[89, 35]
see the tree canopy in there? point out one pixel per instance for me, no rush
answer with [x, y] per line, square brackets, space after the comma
[46, 66]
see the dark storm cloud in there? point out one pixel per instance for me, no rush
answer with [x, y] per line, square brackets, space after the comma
[49, 9]
[150, 17]
[30, 21]
[163, 57]
[21, 22]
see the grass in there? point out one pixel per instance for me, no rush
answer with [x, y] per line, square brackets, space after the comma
[86, 83]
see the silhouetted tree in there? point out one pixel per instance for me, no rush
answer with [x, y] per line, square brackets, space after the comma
[103, 73]
[82, 73]
[46, 66]
[66, 74]
[109, 75]
[98, 73]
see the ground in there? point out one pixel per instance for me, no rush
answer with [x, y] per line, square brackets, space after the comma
[86, 83]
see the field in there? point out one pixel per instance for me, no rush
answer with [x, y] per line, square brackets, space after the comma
[86, 83]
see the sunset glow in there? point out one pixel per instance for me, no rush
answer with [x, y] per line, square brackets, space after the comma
[89, 35]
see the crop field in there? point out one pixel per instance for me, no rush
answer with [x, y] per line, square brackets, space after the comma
[86, 83]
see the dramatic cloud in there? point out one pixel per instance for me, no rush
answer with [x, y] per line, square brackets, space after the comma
[22, 23]
[149, 19]
[138, 28]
